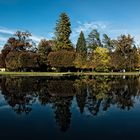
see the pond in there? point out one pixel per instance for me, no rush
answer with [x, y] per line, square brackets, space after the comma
[70, 107]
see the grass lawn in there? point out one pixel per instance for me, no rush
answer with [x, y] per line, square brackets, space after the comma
[110, 73]
[33, 73]
[65, 73]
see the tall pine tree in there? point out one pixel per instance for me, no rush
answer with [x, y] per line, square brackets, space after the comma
[62, 33]
[81, 44]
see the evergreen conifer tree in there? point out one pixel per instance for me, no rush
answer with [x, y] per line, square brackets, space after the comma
[81, 44]
[62, 33]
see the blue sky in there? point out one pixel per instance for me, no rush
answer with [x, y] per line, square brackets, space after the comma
[113, 17]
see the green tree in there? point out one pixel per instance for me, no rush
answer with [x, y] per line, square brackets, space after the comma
[108, 43]
[94, 40]
[44, 48]
[62, 33]
[81, 44]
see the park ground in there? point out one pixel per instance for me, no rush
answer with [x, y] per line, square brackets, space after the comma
[66, 73]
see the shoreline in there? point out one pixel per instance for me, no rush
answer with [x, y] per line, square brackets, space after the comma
[69, 73]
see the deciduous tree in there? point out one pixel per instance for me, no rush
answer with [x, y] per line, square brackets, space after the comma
[101, 59]
[125, 53]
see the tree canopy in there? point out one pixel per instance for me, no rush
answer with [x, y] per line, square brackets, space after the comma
[44, 48]
[95, 51]
[94, 40]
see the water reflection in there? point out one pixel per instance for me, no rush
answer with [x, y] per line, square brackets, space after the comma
[92, 95]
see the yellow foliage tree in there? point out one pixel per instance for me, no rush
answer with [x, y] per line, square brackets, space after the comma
[101, 59]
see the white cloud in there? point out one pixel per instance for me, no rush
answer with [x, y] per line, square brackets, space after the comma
[112, 29]
[6, 31]
[87, 27]
[137, 39]
[36, 38]
[3, 39]
[50, 35]
[120, 31]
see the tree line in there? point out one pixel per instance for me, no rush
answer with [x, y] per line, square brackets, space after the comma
[91, 53]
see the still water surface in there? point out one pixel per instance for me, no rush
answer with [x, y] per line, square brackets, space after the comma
[66, 108]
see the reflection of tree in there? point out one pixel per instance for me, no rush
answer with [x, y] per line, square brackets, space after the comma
[62, 112]
[81, 94]
[81, 100]
[43, 95]
[44, 98]
[19, 94]
[62, 88]
[20, 103]
[93, 105]
[93, 95]
[103, 92]
[125, 91]
[98, 95]
[61, 92]
[107, 103]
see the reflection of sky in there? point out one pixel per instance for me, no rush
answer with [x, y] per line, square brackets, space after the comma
[3, 103]
[46, 120]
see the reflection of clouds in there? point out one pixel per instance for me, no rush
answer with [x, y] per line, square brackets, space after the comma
[3, 103]
[4, 107]
[87, 113]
